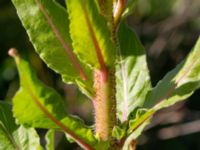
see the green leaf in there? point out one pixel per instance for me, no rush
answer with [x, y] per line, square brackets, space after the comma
[39, 106]
[140, 114]
[69, 139]
[14, 137]
[50, 139]
[132, 75]
[176, 86]
[134, 135]
[31, 91]
[90, 33]
[48, 28]
[118, 132]
[106, 8]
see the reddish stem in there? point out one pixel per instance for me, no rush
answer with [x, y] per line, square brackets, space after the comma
[104, 104]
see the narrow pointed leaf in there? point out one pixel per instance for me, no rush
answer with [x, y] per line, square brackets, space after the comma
[176, 86]
[48, 28]
[90, 33]
[132, 75]
[13, 136]
[39, 106]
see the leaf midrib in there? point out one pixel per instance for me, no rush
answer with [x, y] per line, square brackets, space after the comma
[53, 119]
[149, 113]
[94, 40]
[61, 40]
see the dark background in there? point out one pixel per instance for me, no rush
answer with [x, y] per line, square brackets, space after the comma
[168, 29]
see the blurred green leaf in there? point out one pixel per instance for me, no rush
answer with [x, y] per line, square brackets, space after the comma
[14, 137]
[48, 28]
[50, 139]
[106, 8]
[90, 33]
[132, 75]
[129, 7]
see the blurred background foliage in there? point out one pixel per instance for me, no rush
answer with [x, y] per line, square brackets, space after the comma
[168, 29]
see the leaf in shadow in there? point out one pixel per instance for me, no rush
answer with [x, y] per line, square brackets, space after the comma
[14, 136]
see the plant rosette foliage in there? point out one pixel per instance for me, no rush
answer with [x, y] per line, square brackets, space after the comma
[90, 45]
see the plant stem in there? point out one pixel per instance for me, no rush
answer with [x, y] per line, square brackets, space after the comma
[104, 103]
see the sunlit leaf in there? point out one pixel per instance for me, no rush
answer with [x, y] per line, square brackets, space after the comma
[48, 28]
[90, 34]
[39, 106]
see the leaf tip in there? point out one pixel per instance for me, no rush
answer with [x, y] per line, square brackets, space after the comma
[13, 52]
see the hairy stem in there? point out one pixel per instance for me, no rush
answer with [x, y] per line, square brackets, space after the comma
[104, 83]
[104, 103]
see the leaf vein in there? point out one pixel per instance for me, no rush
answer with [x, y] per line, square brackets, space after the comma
[62, 41]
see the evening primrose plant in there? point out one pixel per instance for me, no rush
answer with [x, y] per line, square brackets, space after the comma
[90, 44]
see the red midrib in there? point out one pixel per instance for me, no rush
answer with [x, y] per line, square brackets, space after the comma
[62, 41]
